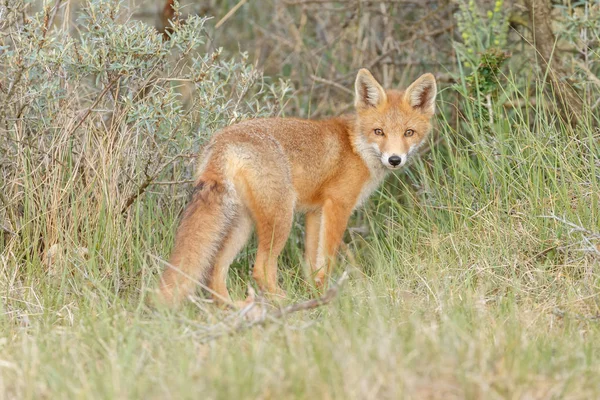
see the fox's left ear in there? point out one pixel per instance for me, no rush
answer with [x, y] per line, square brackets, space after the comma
[421, 94]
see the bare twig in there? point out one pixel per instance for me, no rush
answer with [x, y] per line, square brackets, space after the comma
[575, 227]
[230, 13]
[7, 230]
[329, 295]
[332, 83]
[89, 110]
[168, 183]
[50, 21]
[149, 181]
[242, 325]
[562, 314]
[587, 235]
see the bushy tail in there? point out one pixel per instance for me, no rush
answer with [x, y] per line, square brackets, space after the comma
[202, 228]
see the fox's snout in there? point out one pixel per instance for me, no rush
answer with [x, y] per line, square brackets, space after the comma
[393, 161]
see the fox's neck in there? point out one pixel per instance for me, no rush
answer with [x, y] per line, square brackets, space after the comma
[369, 154]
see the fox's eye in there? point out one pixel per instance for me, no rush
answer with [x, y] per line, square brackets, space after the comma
[378, 132]
[409, 133]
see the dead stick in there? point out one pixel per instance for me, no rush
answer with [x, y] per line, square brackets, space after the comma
[327, 298]
[230, 13]
[147, 182]
[89, 110]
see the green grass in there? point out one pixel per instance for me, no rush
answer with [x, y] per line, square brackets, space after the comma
[470, 283]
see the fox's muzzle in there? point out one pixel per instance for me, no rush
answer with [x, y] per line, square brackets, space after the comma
[393, 161]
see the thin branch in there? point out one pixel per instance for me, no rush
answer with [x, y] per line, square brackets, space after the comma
[89, 110]
[265, 318]
[149, 181]
[230, 13]
[562, 314]
[168, 183]
[575, 227]
[332, 83]
[7, 230]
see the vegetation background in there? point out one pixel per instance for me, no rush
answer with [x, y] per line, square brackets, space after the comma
[473, 272]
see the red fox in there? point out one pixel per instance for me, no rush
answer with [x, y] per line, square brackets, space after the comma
[259, 172]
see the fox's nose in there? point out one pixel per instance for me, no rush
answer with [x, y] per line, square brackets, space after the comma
[395, 160]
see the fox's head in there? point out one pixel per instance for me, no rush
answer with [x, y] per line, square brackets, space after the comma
[391, 125]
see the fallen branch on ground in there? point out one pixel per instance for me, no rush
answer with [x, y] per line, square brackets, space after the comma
[590, 242]
[242, 324]
[562, 314]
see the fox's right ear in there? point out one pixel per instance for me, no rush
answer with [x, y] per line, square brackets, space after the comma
[369, 92]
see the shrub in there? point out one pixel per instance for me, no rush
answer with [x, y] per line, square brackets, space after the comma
[95, 114]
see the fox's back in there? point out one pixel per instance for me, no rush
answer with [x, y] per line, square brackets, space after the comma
[312, 152]
[303, 141]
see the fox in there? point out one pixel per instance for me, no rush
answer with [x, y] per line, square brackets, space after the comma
[257, 174]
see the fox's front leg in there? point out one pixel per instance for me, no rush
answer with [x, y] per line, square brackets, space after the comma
[334, 219]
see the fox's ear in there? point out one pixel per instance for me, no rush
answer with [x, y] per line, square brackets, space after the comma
[369, 92]
[421, 94]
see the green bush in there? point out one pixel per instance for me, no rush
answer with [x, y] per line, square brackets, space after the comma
[95, 115]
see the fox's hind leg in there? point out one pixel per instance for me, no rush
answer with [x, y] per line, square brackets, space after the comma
[236, 239]
[272, 235]
[273, 213]
[262, 177]
[312, 227]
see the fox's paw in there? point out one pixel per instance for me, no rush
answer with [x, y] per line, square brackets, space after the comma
[159, 298]
[321, 281]
[277, 294]
[252, 308]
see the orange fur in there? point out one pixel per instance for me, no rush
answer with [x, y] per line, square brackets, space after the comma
[259, 172]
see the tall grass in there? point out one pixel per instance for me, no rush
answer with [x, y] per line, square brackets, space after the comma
[474, 272]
